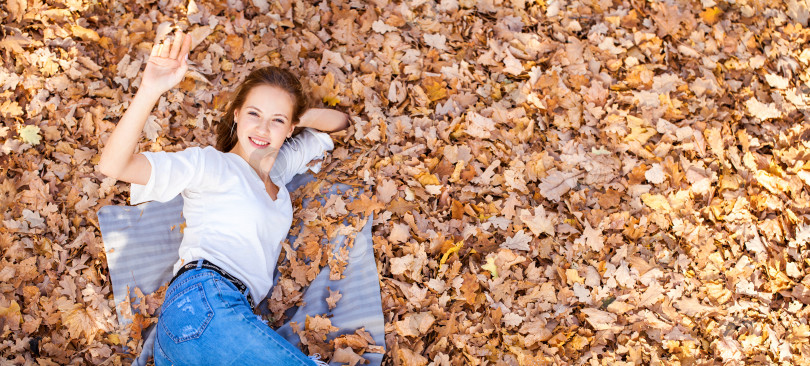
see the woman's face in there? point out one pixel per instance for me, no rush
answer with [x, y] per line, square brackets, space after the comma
[262, 123]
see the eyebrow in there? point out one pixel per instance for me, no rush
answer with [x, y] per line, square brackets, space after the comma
[260, 111]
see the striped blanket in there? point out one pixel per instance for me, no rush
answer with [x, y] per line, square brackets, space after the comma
[141, 243]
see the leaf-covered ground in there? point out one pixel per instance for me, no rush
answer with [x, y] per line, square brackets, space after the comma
[568, 182]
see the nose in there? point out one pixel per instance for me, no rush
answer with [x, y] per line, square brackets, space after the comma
[264, 128]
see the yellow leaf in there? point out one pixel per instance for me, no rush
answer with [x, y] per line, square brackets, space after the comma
[29, 134]
[656, 202]
[84, 33]
[711, 15]
[453, 249]
[435, 88]
[427, 179]
[491, 267]
[327, 90]
[331, 100]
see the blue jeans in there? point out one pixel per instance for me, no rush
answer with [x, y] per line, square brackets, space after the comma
[205, 320]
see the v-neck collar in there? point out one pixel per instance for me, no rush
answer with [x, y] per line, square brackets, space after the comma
[259, 178]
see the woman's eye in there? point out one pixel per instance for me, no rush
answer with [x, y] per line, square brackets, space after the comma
[254, 114]
[279, 120]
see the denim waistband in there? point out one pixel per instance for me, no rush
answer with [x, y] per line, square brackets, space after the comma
[202, 263]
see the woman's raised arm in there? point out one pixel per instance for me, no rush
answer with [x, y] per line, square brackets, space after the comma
[166, 67]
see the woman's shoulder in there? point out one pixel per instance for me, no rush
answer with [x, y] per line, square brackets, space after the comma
[201, 154]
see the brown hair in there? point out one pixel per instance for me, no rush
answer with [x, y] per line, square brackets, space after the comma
[269, 75]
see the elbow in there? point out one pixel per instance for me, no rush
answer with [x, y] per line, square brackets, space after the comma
[104, 167]
[345, 123]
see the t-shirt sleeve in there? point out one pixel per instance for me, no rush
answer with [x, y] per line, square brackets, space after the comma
[295, 155]
[171, 174]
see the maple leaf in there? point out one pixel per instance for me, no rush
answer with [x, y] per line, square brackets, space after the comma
[519, 241]
[78, 320]
[365, 204]
[320, 325]
[592, 237]
[29, 134]
[386, 190]
[152, 128]
[15, 44]
[558, 183]
[539, 222]
[668, 19]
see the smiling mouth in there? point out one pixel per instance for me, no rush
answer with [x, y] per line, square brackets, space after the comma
[258, 143]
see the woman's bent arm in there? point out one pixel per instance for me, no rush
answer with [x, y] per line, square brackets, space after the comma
[323, 119]
[166, 67]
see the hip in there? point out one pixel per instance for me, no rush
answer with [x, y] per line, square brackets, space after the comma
[205, 318]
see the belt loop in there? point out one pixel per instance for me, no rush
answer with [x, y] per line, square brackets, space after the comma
[199, 263]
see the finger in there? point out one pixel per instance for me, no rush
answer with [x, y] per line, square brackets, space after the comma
[166, 47]
[178, 41]
[186, 47]
[155, 49]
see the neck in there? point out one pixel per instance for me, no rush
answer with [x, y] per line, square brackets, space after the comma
[261, 161]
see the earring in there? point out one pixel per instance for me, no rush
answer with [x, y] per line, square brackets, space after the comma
[292, 143]
[232, 124]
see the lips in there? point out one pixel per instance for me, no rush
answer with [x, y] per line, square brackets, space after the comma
[258, 143]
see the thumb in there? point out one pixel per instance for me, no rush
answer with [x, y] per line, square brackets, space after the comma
[181, 71]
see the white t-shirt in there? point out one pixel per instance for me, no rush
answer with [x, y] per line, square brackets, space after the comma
[231, 221]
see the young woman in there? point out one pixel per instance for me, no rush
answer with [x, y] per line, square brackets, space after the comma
[236, 207]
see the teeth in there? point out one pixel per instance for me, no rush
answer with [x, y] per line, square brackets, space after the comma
[258, 142]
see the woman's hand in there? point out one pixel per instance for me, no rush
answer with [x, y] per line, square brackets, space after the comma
[167, 64]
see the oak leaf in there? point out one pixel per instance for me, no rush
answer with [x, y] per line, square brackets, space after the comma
[347, 356]
[334, 297]
[414, 325]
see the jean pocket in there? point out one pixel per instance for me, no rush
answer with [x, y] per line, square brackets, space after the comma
[186, 314]
[230, 295]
